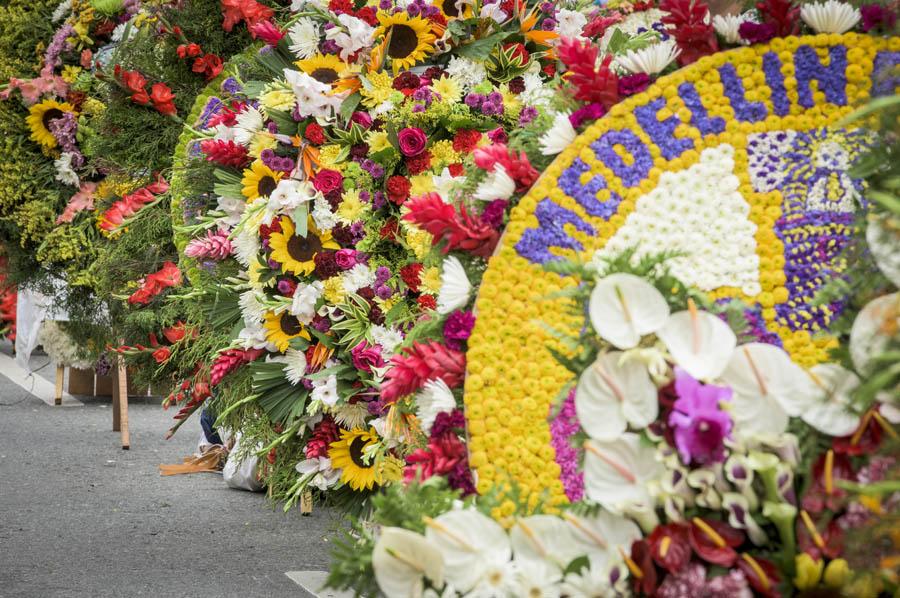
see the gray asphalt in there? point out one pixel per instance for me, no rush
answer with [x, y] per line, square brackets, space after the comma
[81, 517]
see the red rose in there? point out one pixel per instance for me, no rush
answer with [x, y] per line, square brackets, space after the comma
[412, 141]
[327, 180]
[466, 140]
[315, 134]
[419, 164]
[398, 189]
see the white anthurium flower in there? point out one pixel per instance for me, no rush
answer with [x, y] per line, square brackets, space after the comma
[590, 582]
[455, 286]
[624, 307]
[872, 330]
[728, 26]
[650, 60]
[497, 185]
[890, 412]
[766, 385]
[543, 539]
[603, 537]
[704, 481]
[470, 544]
[883, 245]
[654, 359]
[619, 473]
[402, 560]
[826, 399]
[435, 397]
[739, 517]
[249, 123]
[538, 579]
[610, 397]
[559, 136]
[830, 17]
[699, 342]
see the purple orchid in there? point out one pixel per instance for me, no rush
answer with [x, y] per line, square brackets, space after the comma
[700, 425]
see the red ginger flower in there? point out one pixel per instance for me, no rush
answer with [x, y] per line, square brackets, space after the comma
[688, 23]
[419, 364]
[325, 432]
[781, 13]
[226, 153]
[517, 166]
[593, 84]
[462, 231]
[249, 11]
[229, 361]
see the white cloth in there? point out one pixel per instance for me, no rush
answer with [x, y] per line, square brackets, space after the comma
[32, 308]
[242, 474]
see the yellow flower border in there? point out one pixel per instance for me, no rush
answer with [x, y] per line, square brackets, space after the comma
[512, 377]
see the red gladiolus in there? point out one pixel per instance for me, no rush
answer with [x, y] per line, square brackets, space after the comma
[189, 50]
[266, 31]
[517, 166]
[249, 11]
[163, 98]
[177, 332]
[714, 541]
[129, 205]
[162, 355]
[135, 83]
[209, 66]
[153, 284]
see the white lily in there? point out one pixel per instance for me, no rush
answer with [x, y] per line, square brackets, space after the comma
[470, 544]
[621, 472]
[624, 307]
[402, 559]
[830, 17]
[610, 397]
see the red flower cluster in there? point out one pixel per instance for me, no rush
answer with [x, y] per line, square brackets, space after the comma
[325, 432]
[209, 65]
[689, 23]
[593, 84]
[411, 275]
[130, 204]
[160, 95]
[230, 360]
[461, 230]
[248, 11]
[226, 153]
[154, 284]
[782, 14]
[398, 187]
[517, 166]
[419, 364]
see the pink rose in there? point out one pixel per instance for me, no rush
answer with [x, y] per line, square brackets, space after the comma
[328, 180]
[345, 258]
[412, 141]
[366, 356]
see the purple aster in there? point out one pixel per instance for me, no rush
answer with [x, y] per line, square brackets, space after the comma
[699, 424]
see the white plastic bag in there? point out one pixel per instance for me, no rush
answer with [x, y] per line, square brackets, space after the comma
[241, 474]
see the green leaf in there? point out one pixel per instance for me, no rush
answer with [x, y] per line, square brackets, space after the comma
[348, 106]
[301, 220]
[482, 48]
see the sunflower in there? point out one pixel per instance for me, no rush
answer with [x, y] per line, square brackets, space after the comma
[347, 454]
[39, 119]
[450, 9]
[282, 328]
[324, 68]
[259, 181]
[296, 253]
[409, 39]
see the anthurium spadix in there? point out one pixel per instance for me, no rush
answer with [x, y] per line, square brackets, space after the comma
[543, 539]
[612, 395]
[825, 399]
[624, 307]
[402, 560]
[603, 537]
[698, 341]
[618, 473]
[471, 544]
[767, 388]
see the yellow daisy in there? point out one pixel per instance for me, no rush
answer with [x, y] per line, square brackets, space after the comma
[295, 253]
[283, 327]
[378, 88]
[259, 181]
[347, 455]
[351, 207]
[410, 40]
[41, 115]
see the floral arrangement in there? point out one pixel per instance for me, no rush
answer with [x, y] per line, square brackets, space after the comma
[60, 347]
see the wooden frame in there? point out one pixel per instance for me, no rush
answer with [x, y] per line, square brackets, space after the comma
[120, 403]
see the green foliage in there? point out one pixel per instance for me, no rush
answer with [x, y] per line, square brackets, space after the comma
[24, 30]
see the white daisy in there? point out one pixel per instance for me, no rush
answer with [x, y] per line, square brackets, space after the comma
[830, 17]
[650, 60]
[388, 338]
[304, 37]
[64, 171]
[497, 185]
[246, 246]
[303, 306]
[435, 397]
[559, 136]
[295, 366]
[249, 123]
[455, 286]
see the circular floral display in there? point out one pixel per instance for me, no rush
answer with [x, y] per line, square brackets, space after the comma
[737, 166]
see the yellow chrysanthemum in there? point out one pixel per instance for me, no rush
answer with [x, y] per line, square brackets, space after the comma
[277, 96]
[431, 281]
[351, 207]
[421, 184]
[347, 454]
[448, 88]
[283, 327]
[259, 181]
[410, 40]
[70, 73]
[442, 154]
[378, 88]
[261, 141]
[41, 115]
[328, 155]
[333, 290]
[295, 253]
[419, 241]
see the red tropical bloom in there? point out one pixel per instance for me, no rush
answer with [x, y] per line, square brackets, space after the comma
[249, 11]
[419, 364]
[688, 22]
[460, 230]
[670, 546]
[592, 84]
[226, 153]
[715, 541]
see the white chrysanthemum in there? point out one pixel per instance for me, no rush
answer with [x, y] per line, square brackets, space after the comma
[466, 72]
[303, 306]
[252, 307]
[246, 246]
[61, 11]
[119, 32]
[304, 37]
[569, 23]
[355, 34]
[728, 26]
[249, 123]
[322, 214]
[830, 17]
[357, 277]
[388, 338]
[497, 185]
[559, 136]
[435, 397]
[536, 93]
[455, 286]
[294, 366]
[651, 60]
[64, 171]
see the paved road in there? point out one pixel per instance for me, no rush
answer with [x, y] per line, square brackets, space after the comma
[80, 517]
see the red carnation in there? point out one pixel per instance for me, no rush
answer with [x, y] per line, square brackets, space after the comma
[419, 164]
[314, 133]
[427, 302]
[398, 189]
[456, 169]
[466, 140]
[411, 275]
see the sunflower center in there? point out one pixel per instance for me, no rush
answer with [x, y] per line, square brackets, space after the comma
[356, 452]
[325, 75]
[266, 185]
[305, 248]
[290, 325]
[449, 8]
[51, 115]
[404, 41]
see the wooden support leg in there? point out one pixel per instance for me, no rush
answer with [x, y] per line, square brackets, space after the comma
[122, 384]
[306, 503]
[60, 373]
[116, 419]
